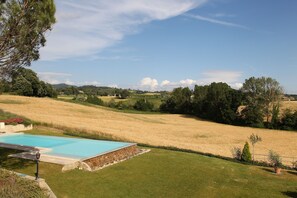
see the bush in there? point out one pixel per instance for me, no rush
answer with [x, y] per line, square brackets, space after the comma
[12, 186]
[112, 103]
[275, 159]
[94, 100]
[79, 98]
[143, 105]
[236, 153]
[13, 121]
[295, 165]
[246, 153]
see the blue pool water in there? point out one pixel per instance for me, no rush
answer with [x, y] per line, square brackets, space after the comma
[65, 147]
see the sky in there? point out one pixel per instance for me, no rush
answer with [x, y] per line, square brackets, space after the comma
[162, 44]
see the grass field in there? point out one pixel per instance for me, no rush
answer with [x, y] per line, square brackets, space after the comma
[164, 129]
[161, 173]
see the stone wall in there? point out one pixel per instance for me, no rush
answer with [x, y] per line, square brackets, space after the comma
[15, 128]
[112, 157]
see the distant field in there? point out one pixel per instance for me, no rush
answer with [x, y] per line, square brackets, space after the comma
[164, 129]
[289, 105]
[151, 97]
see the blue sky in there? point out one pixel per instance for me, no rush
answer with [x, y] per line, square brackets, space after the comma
[159, 45]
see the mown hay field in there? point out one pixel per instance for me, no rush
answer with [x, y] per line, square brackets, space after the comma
[159, 130]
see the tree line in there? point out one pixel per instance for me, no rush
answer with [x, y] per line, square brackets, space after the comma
[256, 104]
[25, 82]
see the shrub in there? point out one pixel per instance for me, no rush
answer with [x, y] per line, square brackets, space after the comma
[254, 139]
[94, 100]
[295, 165]
[13, 121]
[12, 185]
[112, 103]
[236, 153]
[143, 105]
[275, 159]
[246, 153]
[80, 98]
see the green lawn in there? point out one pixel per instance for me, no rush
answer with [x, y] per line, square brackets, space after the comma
[163, 173]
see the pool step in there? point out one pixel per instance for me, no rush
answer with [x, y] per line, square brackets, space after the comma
[45, 158]
[57, 159]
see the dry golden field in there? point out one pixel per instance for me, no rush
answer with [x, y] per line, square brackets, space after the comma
[164, 129]
[289, 105]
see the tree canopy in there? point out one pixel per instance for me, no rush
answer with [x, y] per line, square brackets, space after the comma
[23, 25]
[25, 82]
[262, 94]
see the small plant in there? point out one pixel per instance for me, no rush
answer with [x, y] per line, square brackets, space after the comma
[295, 165]
[254, 139]
[275, 160]
[246, 153]
[236, 153]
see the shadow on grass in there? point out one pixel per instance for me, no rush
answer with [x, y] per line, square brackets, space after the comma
[12, 163]
[293, 173]
[268, 170]
[290, 194]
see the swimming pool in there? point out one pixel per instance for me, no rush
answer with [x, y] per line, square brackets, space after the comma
[75, 148]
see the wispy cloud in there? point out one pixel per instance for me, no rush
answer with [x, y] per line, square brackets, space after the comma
[87, 27]
[216, 21]
[222, 15]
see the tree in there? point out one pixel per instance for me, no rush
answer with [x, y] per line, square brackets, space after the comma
[143, 105]
[254, 139]
[26, 82]
[23, 25]
[289, 120]
[246, 154]
[22, 86]
[262, 93]
[124, 94]
[217, 102]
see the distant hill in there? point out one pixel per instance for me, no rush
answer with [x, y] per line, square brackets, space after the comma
[62, 86]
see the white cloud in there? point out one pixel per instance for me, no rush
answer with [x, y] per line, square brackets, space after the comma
[187, 82]
[149, 83]
[236, 85]
[165, 83]
[113, 86]
[85, 28]
[69, 82]
[216, 21]
[232, 78]
[54, 77]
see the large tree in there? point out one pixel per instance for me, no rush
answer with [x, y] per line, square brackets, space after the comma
[217, 101]
[262, 94]
[23, 24]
